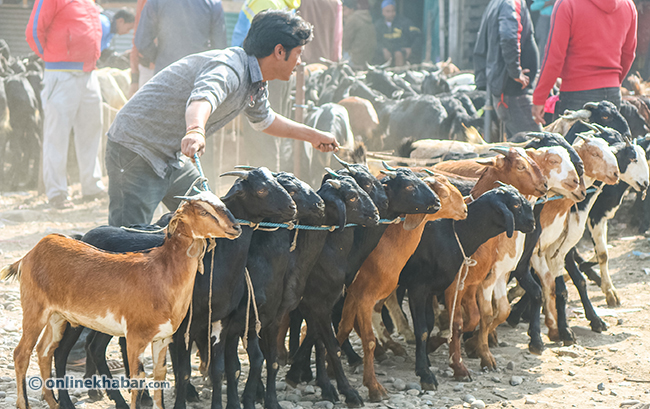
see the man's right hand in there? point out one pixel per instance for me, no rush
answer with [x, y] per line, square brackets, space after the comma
[523, 78]
[192, 142]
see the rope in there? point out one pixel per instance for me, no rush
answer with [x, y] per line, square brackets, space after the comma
[294, 243]
[251, 298]
[291, 226]
[558, 197]
[211, 246]
[133, 230]
[460, 283]
[197, 162]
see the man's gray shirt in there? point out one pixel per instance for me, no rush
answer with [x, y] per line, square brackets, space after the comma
[152, 123]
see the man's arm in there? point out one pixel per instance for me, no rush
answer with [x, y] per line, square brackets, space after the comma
[553, 60]
[42, 15]
[510, 29]
[286, 128]
[629, 47]
[196, 116]
[147, 31]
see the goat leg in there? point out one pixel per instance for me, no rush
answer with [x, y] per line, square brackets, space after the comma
[256, 361]
[96, 345]
[268, 343]
[597, 324]
[61, 353]
[418, 305]
[565, 333]
[181, 358]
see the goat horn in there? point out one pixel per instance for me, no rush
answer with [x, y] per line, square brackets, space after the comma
[336, 184]
[503, 151]
[387, 166]
[593, 105]
[390, 173]
[237, 173]
[245, 167]
[589, 125]
[584, 136]
[501, 183]
[187, 198]
[600, 127]
[332, 173]
[536, 135]
[347, 165]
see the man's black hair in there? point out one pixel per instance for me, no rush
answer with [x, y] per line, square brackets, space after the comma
[125, 14]
[272, 27]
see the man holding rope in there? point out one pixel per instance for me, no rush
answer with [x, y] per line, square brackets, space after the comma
[170, 114]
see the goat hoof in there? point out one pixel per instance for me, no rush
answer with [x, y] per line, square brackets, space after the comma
[536, 347]
[353, 399]
[192, 395]
[376, 395]
[426, 386]
[306, 376]
[471, 346]
[568, 338]
[291, 382]
[94, 395]
[353, 362]
[512, 321]
[598, 325]
[146, 399]
[554, 335]
[328, 392]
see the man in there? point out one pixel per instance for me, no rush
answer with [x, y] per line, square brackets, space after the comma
[359, 38]
[169, 30]
[121, 23]
[67, 36]
[327, 18]
[505, 58]
[249, 9]
[591, 46]
[170, 114]
[396, 35]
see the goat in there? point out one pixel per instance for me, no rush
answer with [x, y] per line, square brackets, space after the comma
[152, 315]
[363, 119]
[435, 263]
[562, 227]
[501, 254]
[406, 195]
[379, 274]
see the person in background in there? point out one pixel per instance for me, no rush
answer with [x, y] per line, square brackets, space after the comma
[120, 23]
[591, 46]
[359, 38]
[169, 30]
[505, 58]
[327, 18]
[395, 35]
[545, 7]
[250, 9]
[67, 36]
[172, 113]
[141, 68]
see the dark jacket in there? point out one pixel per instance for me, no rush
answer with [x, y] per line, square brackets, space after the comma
[359, 38]
[399, 35]
[169, 30]
[505, 44]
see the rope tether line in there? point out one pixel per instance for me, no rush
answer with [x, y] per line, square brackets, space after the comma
[460, 283]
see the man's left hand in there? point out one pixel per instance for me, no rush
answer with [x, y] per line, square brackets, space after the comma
[192, 143]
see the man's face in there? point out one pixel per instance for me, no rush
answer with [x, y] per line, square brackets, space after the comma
[291, 60]
[389, 13]
[122, 27]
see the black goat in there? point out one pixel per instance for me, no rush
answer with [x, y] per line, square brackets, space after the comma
[406, 195]
[436, 261]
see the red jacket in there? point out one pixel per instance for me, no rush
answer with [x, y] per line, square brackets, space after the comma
[591, 45]
[66, 34]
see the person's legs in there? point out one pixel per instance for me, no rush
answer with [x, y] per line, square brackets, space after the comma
[519, 115]
[60, 102]
[88, 134]
[179, 181]
[134, 189]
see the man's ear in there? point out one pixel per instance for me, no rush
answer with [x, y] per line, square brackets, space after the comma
[279, 51]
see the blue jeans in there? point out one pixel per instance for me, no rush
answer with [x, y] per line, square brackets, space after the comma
[135, 190]
[575, 100]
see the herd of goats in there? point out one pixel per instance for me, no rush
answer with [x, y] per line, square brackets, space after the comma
[274, 252]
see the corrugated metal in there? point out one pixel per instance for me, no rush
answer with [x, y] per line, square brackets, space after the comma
[13, 21]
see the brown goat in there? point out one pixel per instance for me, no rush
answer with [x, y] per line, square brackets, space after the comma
[363, 118]
[141, 296]
[379, 274]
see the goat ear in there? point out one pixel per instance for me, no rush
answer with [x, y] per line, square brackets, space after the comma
[411, 221]
[340, 206]
[236, 190]
[508, 218]
[487, 161]
[171, 227]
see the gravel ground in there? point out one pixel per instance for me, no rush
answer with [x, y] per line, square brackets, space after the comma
[602, 371]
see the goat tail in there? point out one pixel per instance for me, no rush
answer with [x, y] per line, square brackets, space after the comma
[11, 271]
